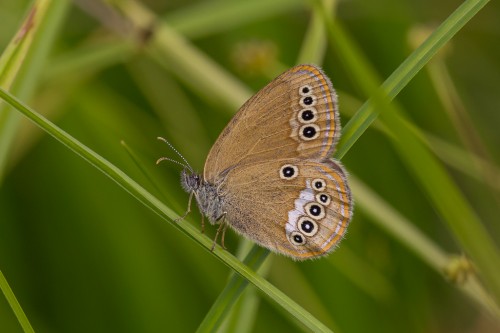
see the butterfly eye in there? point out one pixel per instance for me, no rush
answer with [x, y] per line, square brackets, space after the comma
[319, 184]
[305, 90]
[309, 132]
[308, 101]
[315, 211]
[289, 171]
[307, 115]
[296, 238]
[323, 199]
[308, 226]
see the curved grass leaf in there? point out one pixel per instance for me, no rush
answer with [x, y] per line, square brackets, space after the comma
[401, 76]
[14, 304]
[209, 17]
[22, 61]
[411, 237]
[232, 291]
[444, 194]
[20, 64]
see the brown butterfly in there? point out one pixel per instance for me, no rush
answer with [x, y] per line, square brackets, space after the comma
[269, 175]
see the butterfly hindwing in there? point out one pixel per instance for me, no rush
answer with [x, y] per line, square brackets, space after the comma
[296, 207]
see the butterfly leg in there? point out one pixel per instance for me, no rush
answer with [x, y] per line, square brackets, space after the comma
[222, 226]
[223, 236]
[180, 218]
[202, 223]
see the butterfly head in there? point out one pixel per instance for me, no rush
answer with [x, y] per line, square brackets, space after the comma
[190, 181]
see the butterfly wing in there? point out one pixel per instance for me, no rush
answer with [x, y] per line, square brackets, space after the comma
[296, 207]
[293, 116]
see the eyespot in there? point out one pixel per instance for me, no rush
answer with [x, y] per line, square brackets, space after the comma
[289, 171]
[307, 225]
[315, 210]
[305, 90]
[323, 199]
[296, 238]
[307, 115]
[309, 132]
[307, 101]
[319, 184]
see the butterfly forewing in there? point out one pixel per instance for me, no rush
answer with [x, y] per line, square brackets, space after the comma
[293, 116]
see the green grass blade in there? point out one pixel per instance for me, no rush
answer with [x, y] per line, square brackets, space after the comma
[315, 41]
[165, 212]
[469, 163]
[403, 74]
[444, 194]
[20, 64]
[209, 17]
[89, 58]
[232, 291]
[22, 61]
[448, 200]
[404, 231]
[14, 304]
[242, 316]
[178, 55]
[142, 169]
[356, 269]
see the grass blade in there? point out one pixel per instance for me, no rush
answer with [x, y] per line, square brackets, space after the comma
[210, 17]
[232, 291]
[20, 64]
[444, 194]
[22, 61]
[402, 75]
[14, 304]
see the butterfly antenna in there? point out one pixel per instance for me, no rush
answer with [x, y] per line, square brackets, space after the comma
[171, 160]
[186, 164]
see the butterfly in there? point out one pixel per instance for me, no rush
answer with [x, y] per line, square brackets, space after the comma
[270, 177]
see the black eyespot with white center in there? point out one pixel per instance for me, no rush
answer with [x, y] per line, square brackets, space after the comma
[305, 90]
[309, 132]
[307, 225]
[289, 171]
[296, 238]
[308, 101]
[323, 199]
[319, 184]
[315, 211]
[308, 115]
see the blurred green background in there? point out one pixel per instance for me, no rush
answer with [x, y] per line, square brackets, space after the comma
[82, 255]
